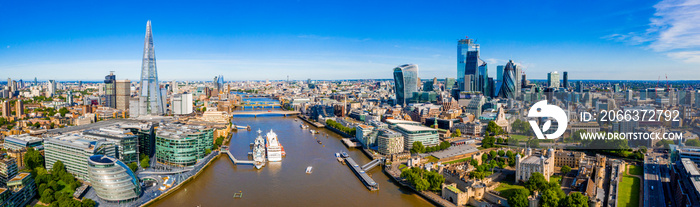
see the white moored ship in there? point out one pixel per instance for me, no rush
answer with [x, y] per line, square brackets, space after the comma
[274, 149]
[259, 151]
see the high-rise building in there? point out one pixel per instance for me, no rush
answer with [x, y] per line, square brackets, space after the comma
[69, 98]
[123, 93]
[508, 87]
[150, 98]
[566, 79]
[449, 84]
[579, 87]
[19, 108]
[110, 90]
[553, 79]
[182, 104]
[112, 179]
[405, 82]
[8, 169]
[469, 63]
[6, 110]
[499, 72]
[52, 88]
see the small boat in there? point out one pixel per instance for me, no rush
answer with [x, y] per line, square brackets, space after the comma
[340, 160]
[309, 169]
[337, 154]
[319, 141]
[344, 154]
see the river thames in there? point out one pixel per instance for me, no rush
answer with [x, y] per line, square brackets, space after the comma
[286, 183]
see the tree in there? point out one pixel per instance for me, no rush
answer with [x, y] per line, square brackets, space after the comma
[53, 185]
[63, 111]
[207, 151]
[422, 184]
[146, 163]
[488, 142]
[458, 133]
[534, 143]
[575, 199]
[474, 163]
[219, 141]
[501, 153]
[47, 196]
[509, 154]
[537, 182]
[417, 147]
[33, 159]
[493, 153]
[565, 169]
[133, 166]
[58, 168]
[691, 142]
[518, 198]
[493, 129]
[550, 198]
[87, 203]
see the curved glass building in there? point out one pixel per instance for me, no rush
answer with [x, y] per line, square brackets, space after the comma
[405, 82]
[182, 145]
[508, 89]
[112, 179]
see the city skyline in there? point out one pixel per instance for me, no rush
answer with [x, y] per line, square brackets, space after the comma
[635, 41]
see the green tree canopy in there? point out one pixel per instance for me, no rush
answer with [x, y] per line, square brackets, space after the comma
[565, 169]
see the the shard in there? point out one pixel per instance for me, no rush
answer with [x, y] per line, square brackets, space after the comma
[150, 97]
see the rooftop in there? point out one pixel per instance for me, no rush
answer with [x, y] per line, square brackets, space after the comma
[453, 189]
[414, 128]
[19, 177]
[455, 151]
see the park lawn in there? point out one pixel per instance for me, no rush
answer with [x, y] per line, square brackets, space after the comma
[635, 170]
[519, 137]
[505, 189]
[628, 194]
[432, 158]
[66, 188]
[459, 160]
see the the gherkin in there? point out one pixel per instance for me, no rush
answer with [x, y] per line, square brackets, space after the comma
[150, 97]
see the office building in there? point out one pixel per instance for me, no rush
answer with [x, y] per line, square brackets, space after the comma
[112, 179]
[73, 151]
[405, 82]
[449, 84]
[415, 132]
[110, 90]
[566, 79]
[182, 145]
[390, 142]
[469, 63]
[124, 139]
[499, 72]
[510, 80]
[150, 96]
[123, 93]
[181, 104]
[22, 141]
[553, 79]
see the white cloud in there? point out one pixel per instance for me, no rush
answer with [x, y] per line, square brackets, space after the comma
[673, 30]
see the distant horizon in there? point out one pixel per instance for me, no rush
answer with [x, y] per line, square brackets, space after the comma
[639, 40]
[376, 79]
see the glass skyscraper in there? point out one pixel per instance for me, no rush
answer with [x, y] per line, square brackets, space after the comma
[150, 97]
[553, 79]
[469, 63]
[508, 87]
[405, 82]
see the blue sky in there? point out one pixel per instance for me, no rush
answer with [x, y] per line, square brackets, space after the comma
[260, 40]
